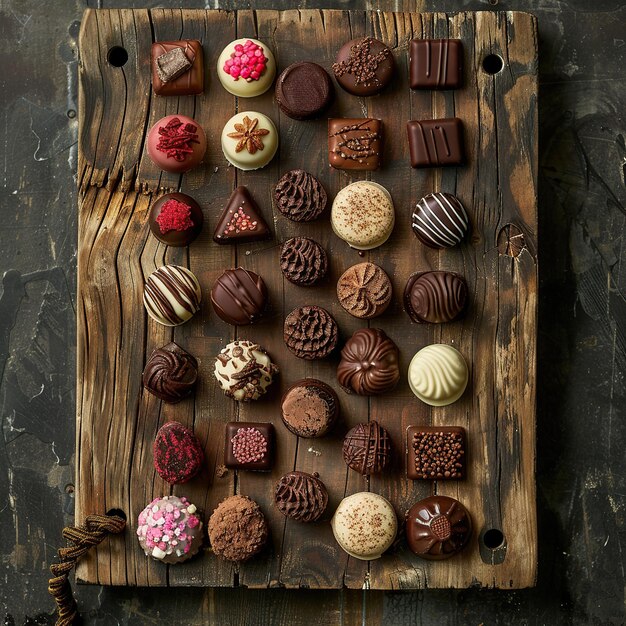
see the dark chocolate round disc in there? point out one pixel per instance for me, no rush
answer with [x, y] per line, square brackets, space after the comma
[435, 297]
[438, 527]
[304, 90]
[175, 219]
[309, 408]
[367, 448]
[364, 67]
[303, 261]
[239, 296]
[299, 196]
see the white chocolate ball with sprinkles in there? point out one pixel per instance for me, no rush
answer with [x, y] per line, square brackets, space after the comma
[169, 529]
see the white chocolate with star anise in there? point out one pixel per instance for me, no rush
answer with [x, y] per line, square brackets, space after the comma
[249, 140]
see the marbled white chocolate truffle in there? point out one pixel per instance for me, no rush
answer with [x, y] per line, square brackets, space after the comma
[244, 370]
[301, 496]
[310, 332]
[369, 363]
[440, 220]
[171, 295]
[300, 196]
[170, 373]
[365, 525]
[438, 527]
[239, 296]
[435, 297]
[303, 261]
[367, 448]
[364, 290]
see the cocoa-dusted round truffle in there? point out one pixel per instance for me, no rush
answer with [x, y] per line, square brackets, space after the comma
[438, 527]
[310, 332]
[175, 219]
[303, 261]
[364, 67]
[435, 297]
[169, 529]
[178, 455]
[309, 408]
[299, 196]
[237, 529]
[369, 363]
[367, 448]
[170, 373]
[239, 296]
[176, 143]
[364, 290]
[304, 90]
[301, 496]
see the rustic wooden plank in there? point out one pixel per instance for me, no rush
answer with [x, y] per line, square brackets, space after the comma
[117, 422]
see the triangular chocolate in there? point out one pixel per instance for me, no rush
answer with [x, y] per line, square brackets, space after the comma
[241, 221]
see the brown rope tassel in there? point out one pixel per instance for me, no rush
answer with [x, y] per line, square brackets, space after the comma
[95, 529]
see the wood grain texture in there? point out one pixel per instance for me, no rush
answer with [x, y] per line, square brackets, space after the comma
[117, 421]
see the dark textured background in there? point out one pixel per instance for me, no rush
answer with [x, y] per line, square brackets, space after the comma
[581, 470]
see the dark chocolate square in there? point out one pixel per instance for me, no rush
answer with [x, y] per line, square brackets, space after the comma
[190, 82]
[424, 458]
[435, 63]
[230, 455]
[436, 142]
[355, 143]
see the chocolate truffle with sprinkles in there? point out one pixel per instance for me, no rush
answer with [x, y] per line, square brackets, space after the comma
[367, 448]
[303, 261]
[299, 196]
[435, 452]
[175, 219]
[244, 370]
[310, 332]
[249, 446]
[171, 295]
[364, 67]
[178, 455]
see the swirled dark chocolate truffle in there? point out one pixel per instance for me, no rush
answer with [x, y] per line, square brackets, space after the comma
[177, 453]
[304, 90]
[238, 529]
[435, 297]
[300, 196]
[369, 363]
[239, 296]
[309, 408]
[364, 290]
[303, 261]
[367, 448]
[301, 496]
[170, 373]
[438, 527]
[310, 332]
[364, 67]
[439, 220]
[175, 219]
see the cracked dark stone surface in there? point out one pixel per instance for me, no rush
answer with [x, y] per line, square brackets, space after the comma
[581, 425]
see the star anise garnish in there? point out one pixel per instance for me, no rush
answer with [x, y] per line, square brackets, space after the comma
[249, 135]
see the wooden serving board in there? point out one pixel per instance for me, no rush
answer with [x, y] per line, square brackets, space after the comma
[117, 421]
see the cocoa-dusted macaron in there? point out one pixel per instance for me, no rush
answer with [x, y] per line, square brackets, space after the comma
[367, 448]
[239, 296]
[364, 290]
[304, 90]
[237, 529]
[300, 196]
[309, 408]
[175, 219]
[303, 261]
[300, 496]
[310, 332]
[178, 455]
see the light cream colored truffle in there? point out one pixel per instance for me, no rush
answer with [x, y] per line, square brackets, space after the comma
[249, 140]
[246, 88]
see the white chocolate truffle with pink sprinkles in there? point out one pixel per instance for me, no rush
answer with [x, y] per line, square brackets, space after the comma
[170, 530]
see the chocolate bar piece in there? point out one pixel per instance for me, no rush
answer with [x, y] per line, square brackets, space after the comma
[435, 452]
[249, 446]
[355, 144]
[436, 142]
[169, 78]
[435, 63]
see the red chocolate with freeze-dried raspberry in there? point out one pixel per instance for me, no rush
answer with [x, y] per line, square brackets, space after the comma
[176, 143]
[241, 220]
[178, 454]
[175, 219]
[249, 446]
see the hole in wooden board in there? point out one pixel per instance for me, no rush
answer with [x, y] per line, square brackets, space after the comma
[117, 512]
[493, 63]
[493, 538]
[511, 240]
[117, 56]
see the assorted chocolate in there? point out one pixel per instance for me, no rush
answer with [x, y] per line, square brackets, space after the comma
[177, 68]
[310, 332]
[171, 373]
[309, 408]
[241, 220]
[177, 453]
[176, 143]
[303, 261]
[239, 296]
[304, 90]
[435, 63]
[175, 219]
[364, 290]
[246, 68]
[355, 144]
[299, 196]
[433, 143]
[171, 295]
[435, 452]
[435, 297]
[440, 220]
[249, 140]
[249, 446]
[300, 496]
[367, 448]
